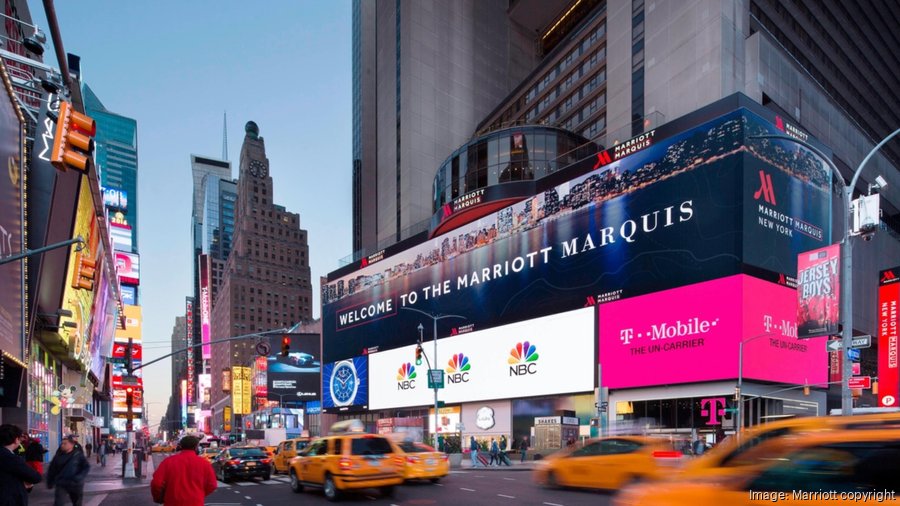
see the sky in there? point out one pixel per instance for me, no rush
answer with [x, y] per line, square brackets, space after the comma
[176, 67]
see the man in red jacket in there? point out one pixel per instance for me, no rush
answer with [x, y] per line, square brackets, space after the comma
[184, 479]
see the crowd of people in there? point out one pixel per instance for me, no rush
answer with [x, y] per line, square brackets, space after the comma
[183, 479]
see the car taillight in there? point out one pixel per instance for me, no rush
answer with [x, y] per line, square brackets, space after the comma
[234, 462]
[412, 460]
[345, 464]
[266, 461]
[667, 455]
[445, 456]
[398, 461]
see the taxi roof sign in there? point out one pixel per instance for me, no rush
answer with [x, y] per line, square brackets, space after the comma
[348, 426]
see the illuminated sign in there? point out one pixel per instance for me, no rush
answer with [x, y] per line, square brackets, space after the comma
[189, 340]
[226, 413]
[128, 267]
[818, 292]
[184, 403]
[241, 394]
[205, 304]
[121, 236]
[129, 295]
[888, 322]
[204, 385]
[115, 198]
[132, 328]
[226, 380]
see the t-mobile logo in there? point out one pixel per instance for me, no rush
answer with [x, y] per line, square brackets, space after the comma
[766, 188]
[767, 323]
[626, 335]
[711, 407]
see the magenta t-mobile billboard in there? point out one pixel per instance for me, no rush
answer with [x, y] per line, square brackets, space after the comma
[692, 334]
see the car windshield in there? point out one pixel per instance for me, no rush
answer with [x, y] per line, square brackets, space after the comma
[410, 447]
[247, 452]
[370, 446]
[211, 450]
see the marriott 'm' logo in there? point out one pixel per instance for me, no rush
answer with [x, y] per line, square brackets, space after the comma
[602, 159]
[766, 188]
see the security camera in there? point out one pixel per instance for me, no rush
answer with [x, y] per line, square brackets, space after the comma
[882, 184]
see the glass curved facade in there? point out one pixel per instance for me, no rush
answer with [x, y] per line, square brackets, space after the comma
[522, 153]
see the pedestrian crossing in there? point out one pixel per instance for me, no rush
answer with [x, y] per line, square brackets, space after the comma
[276, 480]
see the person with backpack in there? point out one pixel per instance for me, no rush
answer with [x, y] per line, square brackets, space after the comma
[67, 473]
[16, 478]
[473, 451]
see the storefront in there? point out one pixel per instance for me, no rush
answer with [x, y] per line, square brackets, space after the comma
[44, 376]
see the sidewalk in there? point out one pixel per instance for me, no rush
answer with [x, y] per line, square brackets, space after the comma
[515, 465]
[100, 480]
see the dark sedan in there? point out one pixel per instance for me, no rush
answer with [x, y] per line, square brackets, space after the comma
[242, 463]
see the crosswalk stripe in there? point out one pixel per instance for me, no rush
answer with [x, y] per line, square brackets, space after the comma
[222, 484]
[246, 483]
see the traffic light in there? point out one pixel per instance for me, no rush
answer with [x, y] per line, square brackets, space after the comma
[85, 268]
[285, 346]
[806, 390]
[129, 397]
[418, 355]
[72, 144]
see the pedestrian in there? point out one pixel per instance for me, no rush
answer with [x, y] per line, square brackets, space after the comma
[88, 448]
[101, 453]
[16, 477]
[523, 448]
[34, 455]
[67, 472]
[495, 452]
[699, 447]
[504, 443]
[184, 479]
[473, 451]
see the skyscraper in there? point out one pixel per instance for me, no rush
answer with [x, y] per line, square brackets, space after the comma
[266, 278]
[424, 74]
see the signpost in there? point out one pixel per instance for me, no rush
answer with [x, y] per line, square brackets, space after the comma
[860, 382]
[853, 354]
[834, 345]
[435, 378]
[862, 342]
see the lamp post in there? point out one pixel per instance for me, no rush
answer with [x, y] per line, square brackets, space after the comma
[846, 258]
[434, 319]
[740, 381]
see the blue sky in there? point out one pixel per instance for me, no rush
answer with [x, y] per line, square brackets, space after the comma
[175, 67]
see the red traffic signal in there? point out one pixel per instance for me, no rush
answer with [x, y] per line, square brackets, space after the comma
[72, 143]
[129, 390]
[285, 345]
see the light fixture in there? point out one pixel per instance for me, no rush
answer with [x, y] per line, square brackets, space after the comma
[50, 86]
[35, 43]
[882, 184]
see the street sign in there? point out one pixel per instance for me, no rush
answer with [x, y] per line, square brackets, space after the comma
[435, 378]
[853, 354]
[130, 380]
[834, 345]
[857, 369]
[858, 382]
[862, 342]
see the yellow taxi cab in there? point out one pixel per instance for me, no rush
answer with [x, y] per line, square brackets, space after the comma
[347, 460]
[286, 451]
[162, 447]
[839, 467]
[422, 462]
[738, 451]
[209, 453]
[607, 463]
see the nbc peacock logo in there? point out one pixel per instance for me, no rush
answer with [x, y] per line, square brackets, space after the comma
[458, 368]
[523, 359]
[406, 376]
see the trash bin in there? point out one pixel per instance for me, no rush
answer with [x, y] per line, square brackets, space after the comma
[139, 462]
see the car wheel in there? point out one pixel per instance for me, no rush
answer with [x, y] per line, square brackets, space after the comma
[330, 489]
[267, 477]
[552, 482]
[435, 480]
[296, 486]
[630, 481]
[225, 477]
[387, 491]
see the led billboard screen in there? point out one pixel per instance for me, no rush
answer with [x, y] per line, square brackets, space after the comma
[115, 198]
[888, 322]
[121, 236]
[549, 355]
[129, 295]
[204, 386]
[11, 227]
[692, 334]
[678, 211]
[345, 385]
[128, 267]
[296, 376]
[205, 304]
[819, 292]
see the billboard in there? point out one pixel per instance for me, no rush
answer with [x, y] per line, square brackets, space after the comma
[226, 380]
[296, 376]
[448, 420]
[128, 267]
[345, 385]
[120, 349]
[11, 226]
[132, 328]
[205, 304]
[115, 198]
[129, 295]
[204, 387]
[189, 340]
[692, 334]
[184, 403]
[121, 236]
[120, 405]
[888, 320]
[679, 211]
[241, 390]
[544, 356]
[819, 292]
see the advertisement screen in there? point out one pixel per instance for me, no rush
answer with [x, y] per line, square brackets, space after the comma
[692, 334]
[115, 198]
[184, 403]
[129, 295]
[103, 322]
[448, 420]
[296, 376]
[242, 388]
[189, 341]
[120, 405]
[205, 304]
[132, 328]
[888, 321]
[549, 355]
[677, 212]
[11, 231]
[121, 236]
[819, 292]
[204, 386]
[128, 266]
[120, 349]
[345, 385]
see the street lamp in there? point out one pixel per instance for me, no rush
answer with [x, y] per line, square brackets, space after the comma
[434, 319]
[740, 381]
[846, 258]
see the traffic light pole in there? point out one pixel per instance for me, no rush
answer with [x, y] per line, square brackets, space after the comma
[216, 341]
[29, 252]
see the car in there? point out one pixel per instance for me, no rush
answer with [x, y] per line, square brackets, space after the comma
[286, 451]
[163, 447]
[422, 462]
[607, 463]
[210, 453]
[817, 468]
[733, 454]
[246, 462]
[347, 460]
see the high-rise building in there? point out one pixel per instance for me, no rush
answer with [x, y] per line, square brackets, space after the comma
[424, 74]
[266, 280]
[179, 371]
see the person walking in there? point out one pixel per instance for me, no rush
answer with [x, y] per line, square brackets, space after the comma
[88, 448]
[473, 451]
[16, 477]
[523, 448]
[184, 479]
[495, 452]
[34, 455]
[101, 453]
[504, 443]
[67, 472]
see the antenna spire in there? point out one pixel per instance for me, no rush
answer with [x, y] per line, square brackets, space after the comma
[225, 136]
